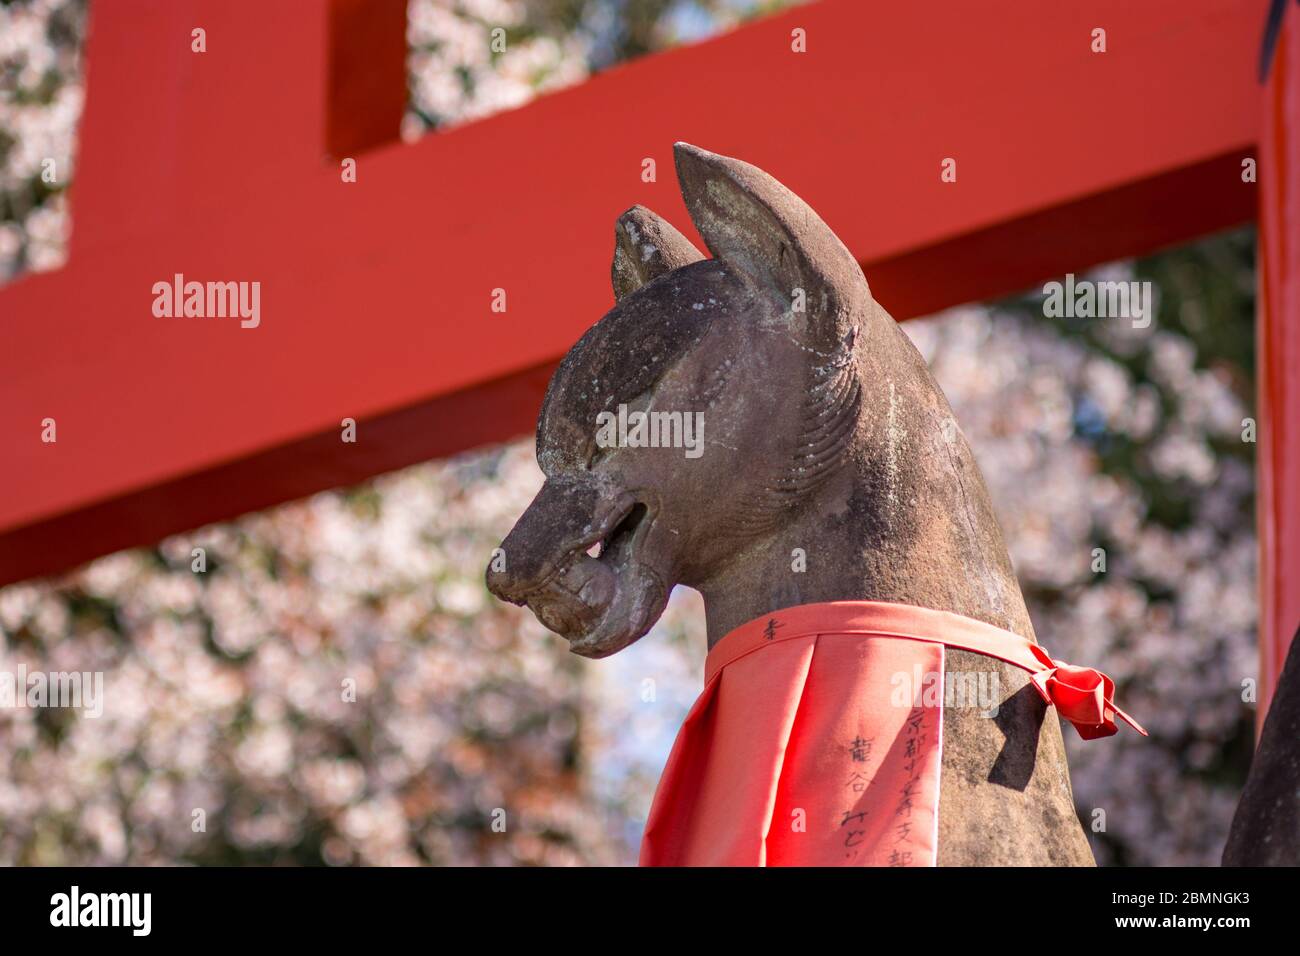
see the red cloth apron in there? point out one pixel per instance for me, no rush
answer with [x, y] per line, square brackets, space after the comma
[816, 742]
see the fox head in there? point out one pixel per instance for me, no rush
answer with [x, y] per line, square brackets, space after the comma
[771, 346]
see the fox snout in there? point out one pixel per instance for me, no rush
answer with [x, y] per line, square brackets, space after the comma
[544, 561]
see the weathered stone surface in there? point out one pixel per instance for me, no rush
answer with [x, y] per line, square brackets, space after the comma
[824, 431]
[1266, 828]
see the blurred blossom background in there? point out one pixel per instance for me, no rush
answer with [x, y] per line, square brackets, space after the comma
[225, 691]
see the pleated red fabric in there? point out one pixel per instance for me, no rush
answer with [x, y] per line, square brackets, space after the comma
[816, 743]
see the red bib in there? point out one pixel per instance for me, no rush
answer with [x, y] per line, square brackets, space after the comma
[818, 737]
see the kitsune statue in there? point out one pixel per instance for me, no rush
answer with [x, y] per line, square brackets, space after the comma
[835, 497]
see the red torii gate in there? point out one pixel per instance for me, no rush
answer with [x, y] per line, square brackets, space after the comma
[376, 294]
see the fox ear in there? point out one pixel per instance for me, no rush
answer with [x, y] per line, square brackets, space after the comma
[645, 247]
[774, 239]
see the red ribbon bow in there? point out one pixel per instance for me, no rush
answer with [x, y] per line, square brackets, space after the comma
[1083, 696]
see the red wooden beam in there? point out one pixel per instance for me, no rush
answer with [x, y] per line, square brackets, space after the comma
[376, 295]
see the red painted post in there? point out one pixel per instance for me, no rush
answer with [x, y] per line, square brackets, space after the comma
[1279, 360]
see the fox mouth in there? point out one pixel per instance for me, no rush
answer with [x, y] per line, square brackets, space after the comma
[622, 536]
[602, 596]
[583, 559]
[612, 539]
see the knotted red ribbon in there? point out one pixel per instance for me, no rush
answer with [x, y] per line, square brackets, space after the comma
[1083, 696]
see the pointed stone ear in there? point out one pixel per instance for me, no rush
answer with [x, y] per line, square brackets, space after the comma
[645, 247]
[774, 239]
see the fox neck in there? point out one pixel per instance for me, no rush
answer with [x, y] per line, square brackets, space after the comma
[909, 522]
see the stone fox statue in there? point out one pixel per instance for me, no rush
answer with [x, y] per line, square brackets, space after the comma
[842, 538]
